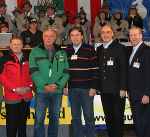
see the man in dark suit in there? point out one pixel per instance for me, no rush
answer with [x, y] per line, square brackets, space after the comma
[113, 81]
[139, 83]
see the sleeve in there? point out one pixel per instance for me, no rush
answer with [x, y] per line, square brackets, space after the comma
[34, 71]
[123, 63]
[65, 75]
[4, 80]
[147, 72]
[94, 69]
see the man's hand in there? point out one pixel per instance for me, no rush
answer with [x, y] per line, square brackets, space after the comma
[145, 99]
[65, 91]
[122, 93]
[53, 87]
[92, 92]
[47, 88]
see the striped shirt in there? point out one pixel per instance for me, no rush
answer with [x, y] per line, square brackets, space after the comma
[83, 70]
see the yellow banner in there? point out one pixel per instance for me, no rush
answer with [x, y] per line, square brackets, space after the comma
[65, 113]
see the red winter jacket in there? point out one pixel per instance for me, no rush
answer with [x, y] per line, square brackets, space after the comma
[14, 74]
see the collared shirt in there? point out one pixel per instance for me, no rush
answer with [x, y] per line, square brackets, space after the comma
[135, 48]
[27, 14]
[52, 17]
[50, 51]
[77, 48]
[19, 56]
[107, 45]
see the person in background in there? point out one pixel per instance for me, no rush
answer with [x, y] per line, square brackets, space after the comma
[85, 23]
[5, 17]
[112, 58]
[98, 25]
[49, 70]
[106, 8]
[42, 14]
[138, 82]
[4, 27]
[32, 37]
[77, 22]
[83, 82]
[67, 26]
[16, 13]
[120, 27]
[15, 78]
[134, 18]
[23, 18]
[52, 21]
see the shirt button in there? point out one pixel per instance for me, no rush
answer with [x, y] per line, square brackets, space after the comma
[104, 77]
[104, 57]
[103, 70]
[104, 64]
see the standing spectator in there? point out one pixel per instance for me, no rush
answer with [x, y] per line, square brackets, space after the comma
[85, 23]
[49, 71]
[134, 18]
[32, 37]
[16, 13]
[83, 82]
[67, 26]
[98, 25]
[106, 8]
[113, 81]
[5, 17]
[77, 22]
[42, 13]
[14, 76]
[52, 21]
[120, 27]
[23, 18]
[138, 83]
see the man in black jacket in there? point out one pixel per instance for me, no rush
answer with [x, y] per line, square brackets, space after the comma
[139, 83]
[113, 79]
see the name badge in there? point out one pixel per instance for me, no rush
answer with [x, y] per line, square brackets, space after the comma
[110, 62]
[136, 65]
[50, 72]
[74, 57]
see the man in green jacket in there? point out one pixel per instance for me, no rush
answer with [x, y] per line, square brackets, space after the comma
[49, 70]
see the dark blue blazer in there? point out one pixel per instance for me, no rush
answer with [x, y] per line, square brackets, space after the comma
[139, 78]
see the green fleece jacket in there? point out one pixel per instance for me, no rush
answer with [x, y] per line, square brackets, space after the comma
[48, 70]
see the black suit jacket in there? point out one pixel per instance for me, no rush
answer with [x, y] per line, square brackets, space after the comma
[139, 78]
[113, 78]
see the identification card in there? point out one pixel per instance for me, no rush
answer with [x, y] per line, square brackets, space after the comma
[74, 57]
[50, 72]
[136, 65]
[110, 63]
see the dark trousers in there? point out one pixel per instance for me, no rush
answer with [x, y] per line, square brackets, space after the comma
[113, 107]
[141, 117]
[16, 117]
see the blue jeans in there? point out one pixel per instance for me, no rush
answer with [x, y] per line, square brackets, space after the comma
[80, 98]
[54, 100]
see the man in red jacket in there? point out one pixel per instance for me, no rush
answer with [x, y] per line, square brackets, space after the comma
[14, 76]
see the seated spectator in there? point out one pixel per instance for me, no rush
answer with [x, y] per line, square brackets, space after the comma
[32, 37]
[120, 27]
[4, 27]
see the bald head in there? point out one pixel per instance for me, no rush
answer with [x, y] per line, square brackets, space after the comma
[106, 34]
